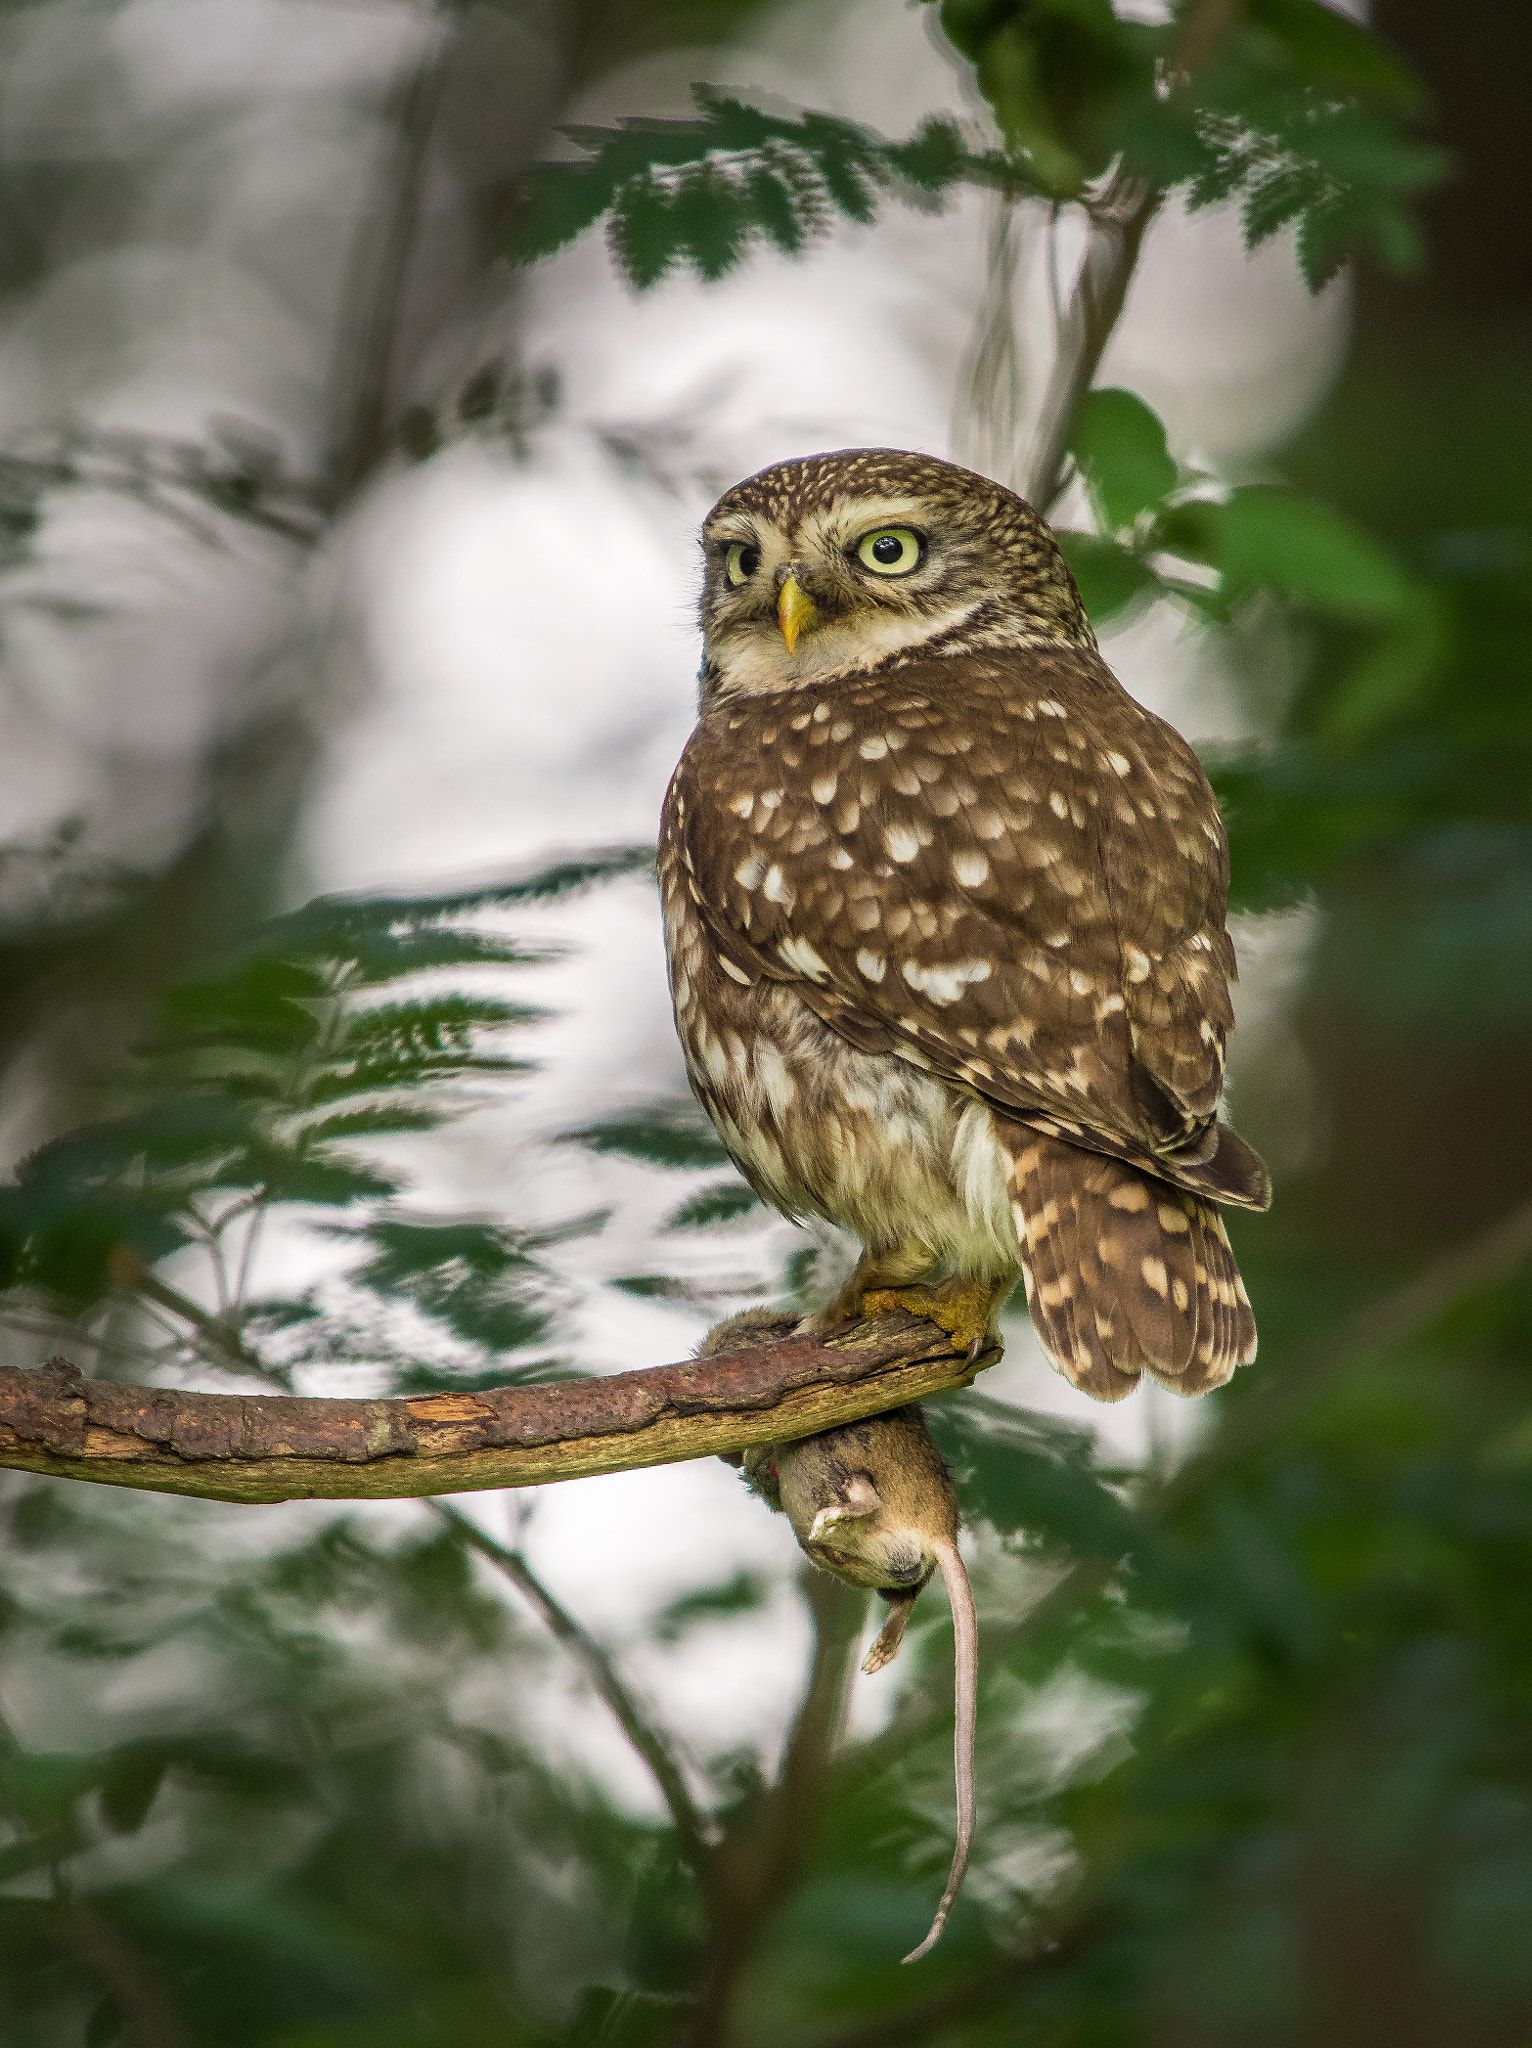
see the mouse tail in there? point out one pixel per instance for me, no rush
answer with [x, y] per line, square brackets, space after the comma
[965, 1650]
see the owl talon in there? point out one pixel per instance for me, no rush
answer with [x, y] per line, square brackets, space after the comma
[964, 1308]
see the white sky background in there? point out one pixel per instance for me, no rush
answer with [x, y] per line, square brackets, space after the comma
[508, 647]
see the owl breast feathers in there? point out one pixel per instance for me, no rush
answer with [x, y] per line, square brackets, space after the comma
[948, 946]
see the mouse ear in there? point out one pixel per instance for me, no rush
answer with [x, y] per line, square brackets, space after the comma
[886, 1648]
[858, 1499]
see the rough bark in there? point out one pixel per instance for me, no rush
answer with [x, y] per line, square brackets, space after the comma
[271, 1447]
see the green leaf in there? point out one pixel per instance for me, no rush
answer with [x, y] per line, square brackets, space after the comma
[260, 1002]
[745, 1593]
[374, 1119]
[705, 191]
[662, 1134]
[1119, 444]
[1109, 576]
[933, 159]
[130, 1785]
[1028, 1474]
[426, 1032]
[1055, 73]
[1263, 538]
[1390, 679]
[642, 234]
[481, 1279]
[847, 167]
[777, 208]
[724, 1203]
[333, 1181]
[1326, 47]
[559, 201]
[656, 1287]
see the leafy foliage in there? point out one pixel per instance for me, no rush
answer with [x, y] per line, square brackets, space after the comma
[407, 1829]
[1253, 1756]
[239, 474]
[703, 191]
[1390, 752]
[267, 1087]
[1213, 547]
[667, 1133]
[1285, 105]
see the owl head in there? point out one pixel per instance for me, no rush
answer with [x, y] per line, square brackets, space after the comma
[850, 561]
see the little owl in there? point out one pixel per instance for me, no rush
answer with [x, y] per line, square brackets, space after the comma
[945, 913]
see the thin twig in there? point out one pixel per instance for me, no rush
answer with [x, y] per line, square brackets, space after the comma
[987, 428]
[1118, 221]
[247, 1257]
[1119, 216]
[649, 1743]
[230, 1352]
[1055, 288]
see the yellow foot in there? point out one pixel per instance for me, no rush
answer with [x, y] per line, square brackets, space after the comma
[964, 1308]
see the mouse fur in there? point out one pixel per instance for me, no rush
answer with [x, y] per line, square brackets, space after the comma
[873, 1502]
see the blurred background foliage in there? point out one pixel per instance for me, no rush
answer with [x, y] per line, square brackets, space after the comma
[1254, 1751]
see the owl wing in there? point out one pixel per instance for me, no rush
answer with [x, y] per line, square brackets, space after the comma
[1002, 870]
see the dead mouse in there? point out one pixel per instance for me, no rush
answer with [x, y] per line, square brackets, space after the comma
[872, 1502]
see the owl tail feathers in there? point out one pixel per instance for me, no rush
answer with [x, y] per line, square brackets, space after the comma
[1233, 1171]
[1124, 1273]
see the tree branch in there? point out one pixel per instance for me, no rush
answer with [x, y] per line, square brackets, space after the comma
[260, 1447]
[1117, 224]
[640, 1731]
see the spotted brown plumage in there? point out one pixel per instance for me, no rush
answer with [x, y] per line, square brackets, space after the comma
[945, 909]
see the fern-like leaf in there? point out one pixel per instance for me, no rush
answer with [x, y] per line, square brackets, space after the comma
[704, 191]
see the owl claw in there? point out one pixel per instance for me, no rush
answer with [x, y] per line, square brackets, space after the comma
[964, 1308]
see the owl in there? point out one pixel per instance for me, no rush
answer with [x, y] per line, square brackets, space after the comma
[945, 915]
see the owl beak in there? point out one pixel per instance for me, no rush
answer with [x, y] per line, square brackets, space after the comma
[795, 613]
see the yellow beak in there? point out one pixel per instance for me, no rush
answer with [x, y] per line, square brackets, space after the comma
[795, 613]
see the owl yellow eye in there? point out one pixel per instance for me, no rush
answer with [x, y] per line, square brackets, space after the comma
[742, 561]
[892, 551]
